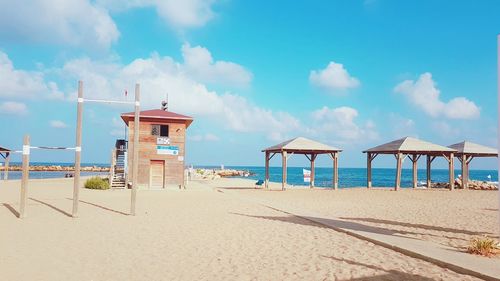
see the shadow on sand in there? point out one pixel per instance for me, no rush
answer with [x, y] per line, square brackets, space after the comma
[52, 207]
[388, 275]
[422, 226]
[101, 207]
[11, 209]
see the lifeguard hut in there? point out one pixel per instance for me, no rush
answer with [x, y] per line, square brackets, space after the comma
[162, 139]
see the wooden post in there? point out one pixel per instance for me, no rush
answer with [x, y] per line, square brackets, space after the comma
[78, 150]
[24, 180]
[452, 171]
[266, 180]
[429, 161]
[135, 164]
[415, 175]
[465, 184]
[335, 171]
[311, 183]
[284, 160]
[368, 170]
[398, 170]
[6, 171]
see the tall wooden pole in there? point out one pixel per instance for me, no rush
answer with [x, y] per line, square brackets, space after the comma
[368, 170]
[112, 166]
[452, 172]
[24, 180]
[498, 99]
[266, 180]
[78, 149]
[428, 166]
[135, 164]
[335, 171]
[398, 170]
[6, 171]
[415, 175]
[284, 160]
[311, 183]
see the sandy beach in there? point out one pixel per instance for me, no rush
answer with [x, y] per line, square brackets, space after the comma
[194, 234]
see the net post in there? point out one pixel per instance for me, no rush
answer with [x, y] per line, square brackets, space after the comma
[78, 150]
[24, 180]
[135, 165]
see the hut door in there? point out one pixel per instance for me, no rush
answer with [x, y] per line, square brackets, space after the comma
[157, 176]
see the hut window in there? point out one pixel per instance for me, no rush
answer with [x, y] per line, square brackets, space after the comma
[159, 130]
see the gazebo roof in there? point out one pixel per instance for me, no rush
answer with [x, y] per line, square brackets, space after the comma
[474, 149]
[3, 149]
[410, 145]
[302, 145]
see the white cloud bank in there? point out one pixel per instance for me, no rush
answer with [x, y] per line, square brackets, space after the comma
[424, 94]
[333, 77]
[21, 84]
[76, 23]
[179, 14]
[13, 108]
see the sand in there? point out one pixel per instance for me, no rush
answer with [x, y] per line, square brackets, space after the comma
[194, 234]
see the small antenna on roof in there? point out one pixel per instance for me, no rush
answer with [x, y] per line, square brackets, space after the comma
[164, 104]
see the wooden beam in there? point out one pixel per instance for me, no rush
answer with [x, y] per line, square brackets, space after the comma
[24, 179]
[369, 159]
[428, 166]
[266, 180]
[135, 159]
[313, 158]
[465, 184]
[414, 160]
[399, 160]
[6, 171]
[272, 155]
[284, 160]
[452, 172]
[335, 171]
[78, 150]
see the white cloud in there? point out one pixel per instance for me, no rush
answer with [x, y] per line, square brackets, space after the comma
[340, 123]
[198, 62]
[58, 124]
[402, 126]
[160, 75]
[179, 14]
[21, 84]
[333, 77]
[75, 23]
[208, 137]
[424, 94]
[14, 108]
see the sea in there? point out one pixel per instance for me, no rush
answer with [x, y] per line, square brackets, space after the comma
[356, 177]
[348, 177]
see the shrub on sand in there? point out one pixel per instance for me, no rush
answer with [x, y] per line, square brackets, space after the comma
[96, 183]
[484, 246]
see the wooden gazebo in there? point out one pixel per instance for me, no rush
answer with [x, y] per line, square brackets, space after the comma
[414, 149]
[466, 151]
[5, 154]
[311, 149]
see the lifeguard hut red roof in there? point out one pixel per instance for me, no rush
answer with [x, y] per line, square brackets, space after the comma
[157, 114]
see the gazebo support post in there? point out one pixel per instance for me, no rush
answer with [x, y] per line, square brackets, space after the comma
[335, 171]
[266, 180]
[414, 161]
[368, 170]
[313, 157]
[284, 158]
[399, 160]
[465, 184]
[25, 177]
[429, 162]
[6, 171]
[452, 171]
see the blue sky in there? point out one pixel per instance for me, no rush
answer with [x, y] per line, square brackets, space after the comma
[352, 74]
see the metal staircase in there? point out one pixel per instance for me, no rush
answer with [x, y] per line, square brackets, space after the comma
[118, 165]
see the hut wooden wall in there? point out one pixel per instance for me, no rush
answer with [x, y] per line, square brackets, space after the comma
[174, 169]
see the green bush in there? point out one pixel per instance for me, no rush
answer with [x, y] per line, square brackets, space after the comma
[97, 183]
